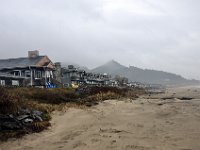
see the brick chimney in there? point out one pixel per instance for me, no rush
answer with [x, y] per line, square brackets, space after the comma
[33, 54]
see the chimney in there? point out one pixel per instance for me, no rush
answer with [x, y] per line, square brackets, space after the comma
[58, 72]
[33, 54]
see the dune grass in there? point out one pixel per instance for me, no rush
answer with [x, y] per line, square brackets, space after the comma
[49, 100]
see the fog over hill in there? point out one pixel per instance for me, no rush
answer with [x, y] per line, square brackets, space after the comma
[143, 75]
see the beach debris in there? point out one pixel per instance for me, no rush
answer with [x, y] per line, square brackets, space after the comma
[166, 98]
[110, 130]
[186, 98]
[24, 118]
[8, 122]
[160, 104]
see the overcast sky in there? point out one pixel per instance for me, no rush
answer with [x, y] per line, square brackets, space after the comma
[154, 34]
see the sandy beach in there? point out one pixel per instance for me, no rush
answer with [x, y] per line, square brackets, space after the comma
[152, 122]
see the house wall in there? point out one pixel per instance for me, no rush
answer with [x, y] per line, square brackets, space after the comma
[8, 81]
[40, 77]
[33, 76]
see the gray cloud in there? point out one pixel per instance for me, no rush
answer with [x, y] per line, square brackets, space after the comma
[153, 34]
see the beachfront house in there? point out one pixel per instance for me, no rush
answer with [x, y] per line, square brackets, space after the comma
[34, 70]
[75, 76]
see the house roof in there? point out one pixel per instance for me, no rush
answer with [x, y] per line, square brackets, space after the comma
[19, 62]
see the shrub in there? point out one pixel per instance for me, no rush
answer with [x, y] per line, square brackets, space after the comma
[40, 126]
[8, 102]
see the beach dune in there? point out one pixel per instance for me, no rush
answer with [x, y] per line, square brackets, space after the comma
[152, 122]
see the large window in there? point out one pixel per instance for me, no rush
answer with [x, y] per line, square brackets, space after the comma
[2, 82]
[17, 73]
[15, 82]
[27, 73]
[38, 74]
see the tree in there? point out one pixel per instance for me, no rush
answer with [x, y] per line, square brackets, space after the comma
[122, 80]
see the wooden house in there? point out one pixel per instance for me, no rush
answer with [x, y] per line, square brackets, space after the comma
[34, 70]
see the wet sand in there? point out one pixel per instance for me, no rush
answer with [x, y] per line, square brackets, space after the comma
[152, 122]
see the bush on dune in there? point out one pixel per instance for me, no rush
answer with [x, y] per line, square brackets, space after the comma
[13, 100]
[50, 96]
[9, 102]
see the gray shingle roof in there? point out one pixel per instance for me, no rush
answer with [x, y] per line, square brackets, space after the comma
[19, 62]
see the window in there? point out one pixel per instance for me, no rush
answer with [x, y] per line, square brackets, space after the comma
[2, 82]
[43, 74]
[48, 75]
[27, 73]
[15, 82]
[17, 73]
[38, 74]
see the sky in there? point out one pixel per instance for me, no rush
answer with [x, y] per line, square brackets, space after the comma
[154, 34]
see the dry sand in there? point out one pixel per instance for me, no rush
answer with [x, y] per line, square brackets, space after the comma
[148, 123]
